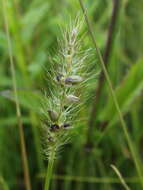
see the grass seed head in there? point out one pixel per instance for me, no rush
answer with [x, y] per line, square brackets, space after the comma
[67, 78]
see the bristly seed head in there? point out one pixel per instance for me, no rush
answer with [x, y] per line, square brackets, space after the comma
[66, 80]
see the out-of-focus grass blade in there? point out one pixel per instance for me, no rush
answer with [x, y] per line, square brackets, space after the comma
[91, 179]
[28, 99]
[12, 121]
[32, 18]
[3, 184]
[129, 89]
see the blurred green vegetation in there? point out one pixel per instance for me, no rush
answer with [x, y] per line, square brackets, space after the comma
[35, 27]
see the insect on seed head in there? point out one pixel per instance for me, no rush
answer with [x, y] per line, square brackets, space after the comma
[58, 77]
[65, 125]
[54, 127]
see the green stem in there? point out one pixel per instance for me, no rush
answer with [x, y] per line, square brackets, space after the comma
[123, 124]
[49, 170]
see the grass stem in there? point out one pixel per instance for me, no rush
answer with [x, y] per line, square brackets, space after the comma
[49, 171]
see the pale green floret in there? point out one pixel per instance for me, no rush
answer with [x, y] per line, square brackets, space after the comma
[53, 115]
[72, 99]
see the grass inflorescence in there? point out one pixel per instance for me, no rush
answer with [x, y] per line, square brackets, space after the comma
[63, 100]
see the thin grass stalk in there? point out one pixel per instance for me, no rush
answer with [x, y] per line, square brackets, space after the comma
[49, 170]
[18, 111]
[107, 55]
[111, 90]
[120, 177]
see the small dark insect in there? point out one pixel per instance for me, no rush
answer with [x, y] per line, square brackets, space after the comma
[58, 77]
[54, 127]
[65, 125]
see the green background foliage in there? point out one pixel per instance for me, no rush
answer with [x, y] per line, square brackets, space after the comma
[35, 28]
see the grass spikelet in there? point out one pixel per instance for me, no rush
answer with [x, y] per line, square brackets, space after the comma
[64, 98]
